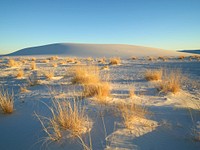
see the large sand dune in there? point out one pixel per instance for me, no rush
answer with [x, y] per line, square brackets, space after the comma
[94, 50]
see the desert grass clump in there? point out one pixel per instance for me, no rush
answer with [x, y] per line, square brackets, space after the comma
[53, 58]
[20, 73]
[44, 61]
[13, 63]
[106, 67]
[102, 60]
[132, 92]
[54, 65]
[51, 128]
[33, 66]
[71, 117]
[162, 58]
[98, 90]
[23, 61]
[132, 114]
[62, 62]
[70, 60]
[6, 101]
[181, 57]
[115, 61]
[151, 75]
[23, 89]
[67, 117]
[85, 74]
[33, 59]
[171, 81]
[151, 59]
[49, 74]
[134, 58]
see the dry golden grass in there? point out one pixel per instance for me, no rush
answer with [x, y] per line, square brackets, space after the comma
[66, 116]
[33, 59]
[151, 58]
[132, 92]
[89, 59]
[85, 74]
[131, 113]
[162, 58]
[102, 60]
[77, 62]
[6, 101]
[134, 58]
[71, 117]
[54, 65]
[62, 62]
[171, 81]
[115, 61]
[153, 74]
[49, 74]
[20, 73]
[23, 61]
[33, 66]
[52, 129]
[196, 57]
[70, 60]
[181, 57]
[23, 89]
[98, 90]
[53, 58]
[44, 61]
[13, 63]
[105, 67]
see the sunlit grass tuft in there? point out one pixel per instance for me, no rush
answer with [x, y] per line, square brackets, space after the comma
[6, 101]
[153, 74]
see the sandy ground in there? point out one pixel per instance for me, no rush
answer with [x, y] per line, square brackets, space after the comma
[170, 125]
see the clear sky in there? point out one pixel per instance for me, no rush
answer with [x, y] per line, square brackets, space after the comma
[168, 24]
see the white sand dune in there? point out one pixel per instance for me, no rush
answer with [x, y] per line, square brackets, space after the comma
[95, 50]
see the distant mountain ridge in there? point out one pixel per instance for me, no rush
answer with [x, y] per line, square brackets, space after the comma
[93, 50]
[191, 51]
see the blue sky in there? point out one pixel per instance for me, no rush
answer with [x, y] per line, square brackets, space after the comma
[168, 24]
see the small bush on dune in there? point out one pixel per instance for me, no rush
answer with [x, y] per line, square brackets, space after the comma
[153, 74]
[85, 74]
[115, 61]
[6, 101]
